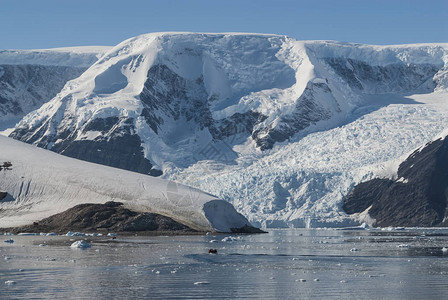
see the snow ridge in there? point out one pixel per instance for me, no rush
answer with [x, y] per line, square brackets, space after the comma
[41, 183]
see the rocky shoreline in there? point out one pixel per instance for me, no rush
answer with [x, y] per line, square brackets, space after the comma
[113, 217]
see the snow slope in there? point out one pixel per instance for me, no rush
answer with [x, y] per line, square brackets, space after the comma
[278, 127]
[29, 78]
[68, 56]
[42, 183]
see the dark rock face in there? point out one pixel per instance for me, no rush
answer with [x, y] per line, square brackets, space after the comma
[247, 229]
[110, 216]
[365, 194]
[24, 88]
[177, 97]
[167, 92]
[117, 145]
[393, 78]
[6, 197]
[417, 198]
[307, 112]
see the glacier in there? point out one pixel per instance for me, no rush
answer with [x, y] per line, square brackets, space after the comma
[280, 128]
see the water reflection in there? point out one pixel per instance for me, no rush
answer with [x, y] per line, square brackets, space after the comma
[286, 264]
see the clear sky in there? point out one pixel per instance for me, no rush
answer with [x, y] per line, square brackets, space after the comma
[27, 24]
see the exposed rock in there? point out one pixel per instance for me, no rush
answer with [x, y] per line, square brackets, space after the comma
[3, 195]
[308, 111]
[391, 78]
[24, 88]
[111, 216]
[116, 145]
[365, 194]
[417, 198]
[247, 229]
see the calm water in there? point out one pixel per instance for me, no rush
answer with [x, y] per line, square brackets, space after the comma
[284, 264]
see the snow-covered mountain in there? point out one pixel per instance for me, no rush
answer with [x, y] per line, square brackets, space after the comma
[29, 78]
[280, 128]
[40, 183]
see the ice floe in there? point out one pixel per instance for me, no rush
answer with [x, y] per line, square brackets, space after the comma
[80, 245]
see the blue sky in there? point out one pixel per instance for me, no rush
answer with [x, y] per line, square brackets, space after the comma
[26, 24]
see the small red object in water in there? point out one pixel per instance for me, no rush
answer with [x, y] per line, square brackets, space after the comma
[213, 251]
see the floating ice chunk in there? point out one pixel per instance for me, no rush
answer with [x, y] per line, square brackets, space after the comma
[403, 246]
[70, 233]
[301, 280]
[342, 281]
[51, 234]
[80, 245]
[316, 279]
[42, 245]
[365, 226]
[10, 282]
[354, 250]
[8, 233]
[111, 234]
[9, 241]
[213, 241]
[444, 249]
[26, 234]
[201, 282]
[230, 239]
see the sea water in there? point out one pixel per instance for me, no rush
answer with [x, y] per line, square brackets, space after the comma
[282, 264]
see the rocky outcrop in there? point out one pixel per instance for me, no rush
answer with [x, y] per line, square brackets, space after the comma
[308, 111]
[111, 216]
[391, 78]
[116, 145]
[417, 198]
[247, 229]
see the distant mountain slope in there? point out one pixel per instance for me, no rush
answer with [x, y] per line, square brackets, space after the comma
[40, 183]
[280, 128]
[417, 198]
[29, 78]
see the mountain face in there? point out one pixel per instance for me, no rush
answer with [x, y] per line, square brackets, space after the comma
[280, 128]
[417, 198]
[30, 78]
